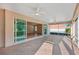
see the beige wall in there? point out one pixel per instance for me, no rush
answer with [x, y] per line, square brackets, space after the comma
[29, 28]
[39, 28]
[9, 25]
[2, 31]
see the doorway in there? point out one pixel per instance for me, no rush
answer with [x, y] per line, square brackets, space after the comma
[33, 29]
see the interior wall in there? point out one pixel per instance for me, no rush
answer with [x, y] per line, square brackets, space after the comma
[2, 29]
[29, 28]
[9, 25]
[39, 28]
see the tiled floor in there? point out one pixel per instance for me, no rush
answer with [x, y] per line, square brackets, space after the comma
[52, 45]
[58, 45]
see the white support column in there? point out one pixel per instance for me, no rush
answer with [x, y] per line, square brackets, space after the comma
[48, 29]
[75, 32]
[78, 32]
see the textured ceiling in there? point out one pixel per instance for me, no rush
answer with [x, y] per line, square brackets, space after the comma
[49, 12]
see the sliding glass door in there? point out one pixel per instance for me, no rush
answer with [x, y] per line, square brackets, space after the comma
[19, 30]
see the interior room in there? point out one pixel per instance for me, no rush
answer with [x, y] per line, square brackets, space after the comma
[33, 29]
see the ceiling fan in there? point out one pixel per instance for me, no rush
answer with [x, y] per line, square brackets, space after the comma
[38, 11]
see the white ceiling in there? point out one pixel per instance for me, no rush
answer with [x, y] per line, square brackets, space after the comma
[49, 12]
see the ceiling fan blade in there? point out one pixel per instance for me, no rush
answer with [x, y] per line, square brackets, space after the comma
[38, 10]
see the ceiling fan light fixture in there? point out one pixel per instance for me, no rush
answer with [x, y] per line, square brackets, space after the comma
[36, 14]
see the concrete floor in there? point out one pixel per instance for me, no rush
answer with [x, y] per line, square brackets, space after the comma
[52, 45]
